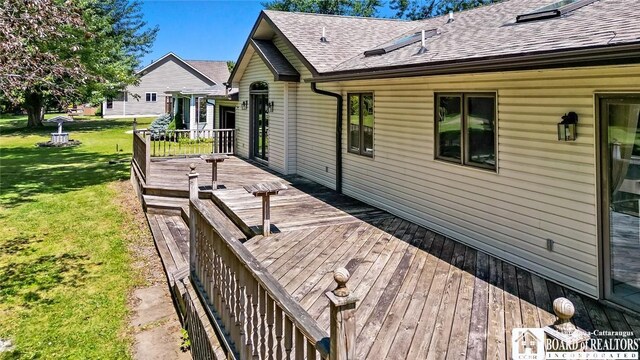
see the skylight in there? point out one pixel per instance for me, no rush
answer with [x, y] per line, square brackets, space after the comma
[553, 10]
[400, 43]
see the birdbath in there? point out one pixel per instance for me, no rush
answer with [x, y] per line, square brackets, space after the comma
[60, 137]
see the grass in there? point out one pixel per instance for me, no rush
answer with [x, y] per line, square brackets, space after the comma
[65, 271]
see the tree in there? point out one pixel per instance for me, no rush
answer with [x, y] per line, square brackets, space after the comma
[334, 7]
[230, 65]
[71, 50]
[422, 9]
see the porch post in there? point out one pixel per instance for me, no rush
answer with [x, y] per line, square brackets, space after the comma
[343, 321]
[210, 115]
[175, 104]
[193, 194]
[193, 122]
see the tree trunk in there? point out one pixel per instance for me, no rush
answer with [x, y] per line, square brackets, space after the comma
[34, 103]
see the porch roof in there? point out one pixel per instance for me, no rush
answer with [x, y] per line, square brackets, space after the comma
[214, 92]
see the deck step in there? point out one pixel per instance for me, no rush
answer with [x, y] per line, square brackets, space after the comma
[164, 205]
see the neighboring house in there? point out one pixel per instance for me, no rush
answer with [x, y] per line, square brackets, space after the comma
[169, 73]
[459, 132]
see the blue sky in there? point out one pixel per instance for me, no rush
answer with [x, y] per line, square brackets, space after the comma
[200, 30]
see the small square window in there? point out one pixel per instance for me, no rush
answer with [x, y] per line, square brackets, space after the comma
[361, 120]
[150, 97]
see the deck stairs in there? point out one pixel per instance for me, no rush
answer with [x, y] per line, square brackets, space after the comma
[168, 219]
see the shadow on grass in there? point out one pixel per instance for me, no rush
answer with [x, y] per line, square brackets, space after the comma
[28, 282]
[30, 171]
[18, 127]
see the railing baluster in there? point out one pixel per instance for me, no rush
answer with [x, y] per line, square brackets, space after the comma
[311, 351]
[263, 324]
[279, 333]
[254, 322]
[288, 337]
[270, 314]
[249, 323]
[299, 345]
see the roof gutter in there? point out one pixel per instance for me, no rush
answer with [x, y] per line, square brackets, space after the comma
[592, 56]
[338, 132]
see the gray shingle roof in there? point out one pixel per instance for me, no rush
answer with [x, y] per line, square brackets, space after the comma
[485, 32]
[346, 36]
[277, 63]
[214, 70]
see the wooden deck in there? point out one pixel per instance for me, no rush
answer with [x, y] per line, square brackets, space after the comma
[421, 295]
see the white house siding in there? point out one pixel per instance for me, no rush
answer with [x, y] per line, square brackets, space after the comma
[170, 75]
[544, 188]
[258, 71]
[315, 118]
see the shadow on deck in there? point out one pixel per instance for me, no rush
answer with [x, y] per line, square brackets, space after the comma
[421, 295]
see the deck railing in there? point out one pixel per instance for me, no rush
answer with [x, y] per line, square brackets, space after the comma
[142, 153]
[253, 313]
[177, 143]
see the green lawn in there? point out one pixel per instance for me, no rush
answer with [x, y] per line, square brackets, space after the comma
[65, 270]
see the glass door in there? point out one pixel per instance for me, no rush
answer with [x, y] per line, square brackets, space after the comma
[620, 166]
[260, 126]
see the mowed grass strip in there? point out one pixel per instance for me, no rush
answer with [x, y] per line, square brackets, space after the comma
[65, 270]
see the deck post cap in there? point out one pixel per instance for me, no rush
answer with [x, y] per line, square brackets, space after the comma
[341, 276]
[564, 310]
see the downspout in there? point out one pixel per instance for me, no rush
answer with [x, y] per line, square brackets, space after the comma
[338, 132]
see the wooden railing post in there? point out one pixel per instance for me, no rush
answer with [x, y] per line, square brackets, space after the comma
[193, 194]
[343, 322]
[568, 337]
[147, 155]
[135, 124]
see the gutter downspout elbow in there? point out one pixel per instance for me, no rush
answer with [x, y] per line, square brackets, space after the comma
[338, 132]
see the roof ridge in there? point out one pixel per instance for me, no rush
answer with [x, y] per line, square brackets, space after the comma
[213, 61]
[340, 16]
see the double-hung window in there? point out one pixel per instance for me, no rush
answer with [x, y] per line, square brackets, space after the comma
[466, 129]
[360, 124]
[151, 97]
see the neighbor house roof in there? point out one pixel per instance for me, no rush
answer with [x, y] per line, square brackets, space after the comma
[486, 38]
[215, 71]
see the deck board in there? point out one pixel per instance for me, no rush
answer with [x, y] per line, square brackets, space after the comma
[421, 295]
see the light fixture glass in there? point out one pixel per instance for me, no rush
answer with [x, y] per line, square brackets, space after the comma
[568, 127]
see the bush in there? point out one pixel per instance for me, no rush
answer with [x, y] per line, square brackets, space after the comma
[172, 125]
[159, 125]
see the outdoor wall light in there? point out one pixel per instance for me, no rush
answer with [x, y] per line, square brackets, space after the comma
[245, 104]
[270, 106]
[568, 127]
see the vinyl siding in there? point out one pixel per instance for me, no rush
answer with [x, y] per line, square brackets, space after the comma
[543, 189]
[170, 75]
[257, 71]
[315, 115]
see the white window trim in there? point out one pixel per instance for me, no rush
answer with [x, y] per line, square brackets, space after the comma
[152, 95]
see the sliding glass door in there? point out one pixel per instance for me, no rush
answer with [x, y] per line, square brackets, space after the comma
[620, 179]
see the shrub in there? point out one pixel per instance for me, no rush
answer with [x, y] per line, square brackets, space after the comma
[159, 125]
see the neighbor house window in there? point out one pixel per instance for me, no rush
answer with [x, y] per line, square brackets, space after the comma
[109, 103]
[466, 129]
[360, 136]
[151, 97]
